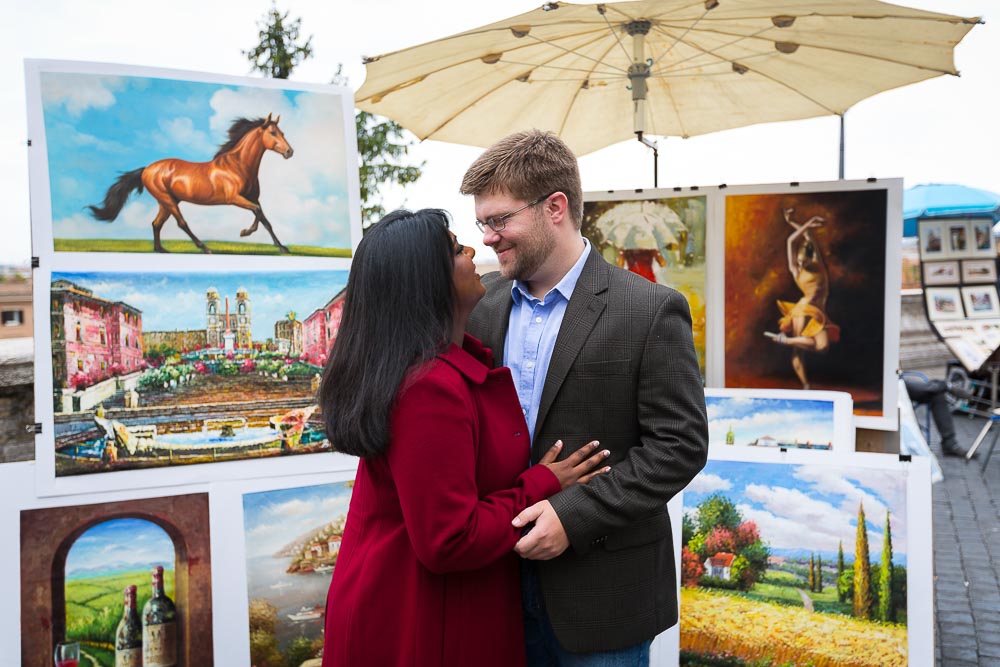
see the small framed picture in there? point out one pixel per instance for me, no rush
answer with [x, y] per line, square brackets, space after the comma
[976, 271]
[952, 328]
[944, 303]
[941, 273]
[981, 237]
[981, 301]
[957, 237]
[932, 242]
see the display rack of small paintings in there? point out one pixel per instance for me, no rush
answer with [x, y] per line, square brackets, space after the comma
[959, 272]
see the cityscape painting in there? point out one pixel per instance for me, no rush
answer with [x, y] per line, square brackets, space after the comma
[292, 541]
[795, 564]
[169, 368]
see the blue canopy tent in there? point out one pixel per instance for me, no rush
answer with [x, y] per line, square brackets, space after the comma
[943, 200]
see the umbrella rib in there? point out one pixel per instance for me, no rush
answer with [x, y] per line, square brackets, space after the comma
[703, 51]
[615, 75]
[614, 33]
[569, 107]
[572, 51]
[491, 91]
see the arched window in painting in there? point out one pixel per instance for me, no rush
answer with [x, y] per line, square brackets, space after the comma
[102, 561]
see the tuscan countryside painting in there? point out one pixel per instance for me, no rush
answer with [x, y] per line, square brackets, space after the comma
[292, 541]
[662, 240]
[794, 565]
[163, 369]
[151, 164]
[758, 421]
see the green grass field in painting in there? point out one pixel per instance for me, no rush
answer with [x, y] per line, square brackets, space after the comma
[187, 247]
[94, 608]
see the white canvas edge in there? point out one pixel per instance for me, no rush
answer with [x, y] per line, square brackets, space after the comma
[919, 527]
[47, 482]
[888, 421]
[843, 408]
[17, 493]
[666, 648]
[230, 598]
[38, 172]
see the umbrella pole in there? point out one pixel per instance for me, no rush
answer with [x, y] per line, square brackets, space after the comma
[638, 72]
[841, 172]
[656, 156]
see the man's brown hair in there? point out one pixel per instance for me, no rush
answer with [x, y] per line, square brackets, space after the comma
[528, 165]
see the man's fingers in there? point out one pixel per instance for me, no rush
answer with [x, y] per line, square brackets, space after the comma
[527, 515]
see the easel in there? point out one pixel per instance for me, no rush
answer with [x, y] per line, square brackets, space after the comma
[992, 365]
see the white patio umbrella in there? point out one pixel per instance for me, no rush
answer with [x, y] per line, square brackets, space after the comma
[647, 225]
[598, 74]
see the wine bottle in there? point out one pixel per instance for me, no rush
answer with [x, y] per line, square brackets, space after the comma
[159, 627]
[128, 637]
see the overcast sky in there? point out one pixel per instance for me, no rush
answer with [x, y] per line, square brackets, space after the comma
[944, 130]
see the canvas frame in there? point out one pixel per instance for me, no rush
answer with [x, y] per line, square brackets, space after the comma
[949, 294]
[979, 271]
[941, 273]
[920, 538]
[928, 229]
[984, 227]
[888, 420]
[969, 294]
[957, 237]
[841, 418]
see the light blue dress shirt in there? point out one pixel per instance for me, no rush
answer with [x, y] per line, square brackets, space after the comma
[531, 336]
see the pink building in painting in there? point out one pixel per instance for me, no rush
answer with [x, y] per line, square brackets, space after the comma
[319, 330]
[92, 338]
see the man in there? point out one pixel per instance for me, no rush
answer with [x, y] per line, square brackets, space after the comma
[598, 353]
[933, 394]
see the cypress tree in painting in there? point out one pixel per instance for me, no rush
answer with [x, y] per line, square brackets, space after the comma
[862, 570]
[886, 606]
[819, 574]
[840, 570]
[812, 573]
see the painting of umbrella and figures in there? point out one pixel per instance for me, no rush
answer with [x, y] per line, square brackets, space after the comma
[662, 240]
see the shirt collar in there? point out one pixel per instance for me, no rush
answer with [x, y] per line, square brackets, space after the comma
[564, 287]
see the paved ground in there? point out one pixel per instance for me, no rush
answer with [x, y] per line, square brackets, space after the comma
[967, 554]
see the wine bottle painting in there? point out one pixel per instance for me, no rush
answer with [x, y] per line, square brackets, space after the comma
[292, 540]
[107, 562]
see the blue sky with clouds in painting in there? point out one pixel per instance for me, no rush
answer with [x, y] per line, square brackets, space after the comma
[172, 301]
[119, 545]
[785, 419]
[98, 126]
[811, 507]
[272, 519]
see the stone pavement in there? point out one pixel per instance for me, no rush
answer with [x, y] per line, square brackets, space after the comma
[966, 506]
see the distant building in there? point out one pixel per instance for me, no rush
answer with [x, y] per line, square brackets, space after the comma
[92, 336]
[288, 336]
[15, 309]
[218, 319]
[190, 340]
[320, 329]
[720, 565]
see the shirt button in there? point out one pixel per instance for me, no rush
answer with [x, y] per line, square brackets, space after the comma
[523, 411]
[538, 320]
[529, 365]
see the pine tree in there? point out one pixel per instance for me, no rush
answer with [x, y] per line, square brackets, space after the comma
[886, 608]
[380, 144]
[812, 573]
[862, 570]
[840, 569]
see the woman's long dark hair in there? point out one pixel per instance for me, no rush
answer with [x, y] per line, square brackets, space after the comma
[398, 313]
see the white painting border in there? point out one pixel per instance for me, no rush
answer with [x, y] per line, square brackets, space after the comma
[47, 482]
[920, 535]
[888, 421]
[843, 409]
[38, 171]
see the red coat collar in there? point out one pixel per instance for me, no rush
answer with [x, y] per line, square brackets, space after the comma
[472, 360]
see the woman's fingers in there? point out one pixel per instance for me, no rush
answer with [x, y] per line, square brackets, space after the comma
[599, 471]
[583, 454]
[552, 453]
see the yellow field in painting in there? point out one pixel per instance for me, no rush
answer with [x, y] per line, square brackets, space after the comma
[717, 622]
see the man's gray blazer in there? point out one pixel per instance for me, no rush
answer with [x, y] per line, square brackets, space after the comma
[623, 371]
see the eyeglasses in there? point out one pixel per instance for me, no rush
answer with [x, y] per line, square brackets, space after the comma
[498, 223]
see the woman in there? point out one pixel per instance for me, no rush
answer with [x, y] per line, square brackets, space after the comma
[426, 574]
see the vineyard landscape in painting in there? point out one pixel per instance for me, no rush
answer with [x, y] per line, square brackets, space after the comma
[292, 541]
[793, 564]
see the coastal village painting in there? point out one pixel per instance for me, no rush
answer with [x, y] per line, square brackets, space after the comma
[794, 564]
[763, 421]
[292, 541]
[170, 368]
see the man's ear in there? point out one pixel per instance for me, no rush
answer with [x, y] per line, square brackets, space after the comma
[558, 208]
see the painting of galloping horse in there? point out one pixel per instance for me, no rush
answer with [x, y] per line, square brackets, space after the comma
[228, 178]
[143, 160]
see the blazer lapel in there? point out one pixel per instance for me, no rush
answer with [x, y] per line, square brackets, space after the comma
[497, 304]
[582, 312]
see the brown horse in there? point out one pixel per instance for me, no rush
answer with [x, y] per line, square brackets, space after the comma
[229, 178]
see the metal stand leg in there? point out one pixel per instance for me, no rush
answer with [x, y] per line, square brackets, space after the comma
[979, 438]
[989, 452]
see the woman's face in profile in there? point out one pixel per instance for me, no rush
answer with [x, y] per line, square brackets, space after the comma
[468, 288]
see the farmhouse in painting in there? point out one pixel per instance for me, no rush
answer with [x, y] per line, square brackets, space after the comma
[719, 565]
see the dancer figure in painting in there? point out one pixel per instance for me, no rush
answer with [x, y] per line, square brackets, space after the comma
[804, 324]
